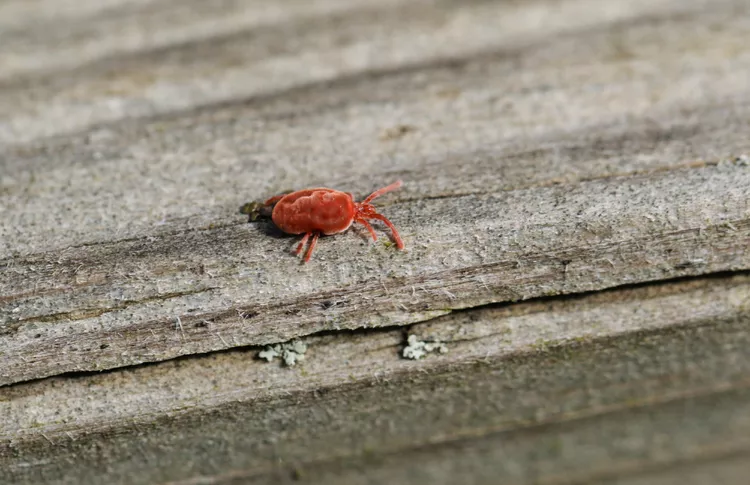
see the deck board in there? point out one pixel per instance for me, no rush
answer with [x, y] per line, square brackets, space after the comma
[576, 178]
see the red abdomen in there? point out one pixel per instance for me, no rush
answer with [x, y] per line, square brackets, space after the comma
[325, 210]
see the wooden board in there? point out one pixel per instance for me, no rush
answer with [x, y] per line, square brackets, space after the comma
[576, 182]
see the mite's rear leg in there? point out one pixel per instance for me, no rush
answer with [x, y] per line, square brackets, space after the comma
[256, 209]
[274, 199]
[263, 209]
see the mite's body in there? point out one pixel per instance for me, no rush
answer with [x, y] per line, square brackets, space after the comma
[313, 212]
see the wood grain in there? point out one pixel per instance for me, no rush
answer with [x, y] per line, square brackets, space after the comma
[573, 170]
[516, 378]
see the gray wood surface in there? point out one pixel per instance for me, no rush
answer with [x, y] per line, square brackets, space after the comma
[575, 208]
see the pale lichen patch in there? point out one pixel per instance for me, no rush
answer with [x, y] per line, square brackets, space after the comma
[417, 349]
[289, 352]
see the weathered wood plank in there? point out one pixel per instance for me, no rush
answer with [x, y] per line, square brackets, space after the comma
[576, 213]
[633, 193]
[514, 376]
[142, 58]
[515, 245]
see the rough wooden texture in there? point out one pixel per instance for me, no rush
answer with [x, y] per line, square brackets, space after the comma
[563, 390]
[574, 171]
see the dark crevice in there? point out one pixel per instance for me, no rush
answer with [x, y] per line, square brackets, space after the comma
[83, 313]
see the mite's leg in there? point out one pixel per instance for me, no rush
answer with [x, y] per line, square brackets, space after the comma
[274, 199]
[302, 243]
[312, 246]
[388, 223]
[369, 228]
[382, 191]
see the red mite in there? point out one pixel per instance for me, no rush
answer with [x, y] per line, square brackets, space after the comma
[315, 211]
